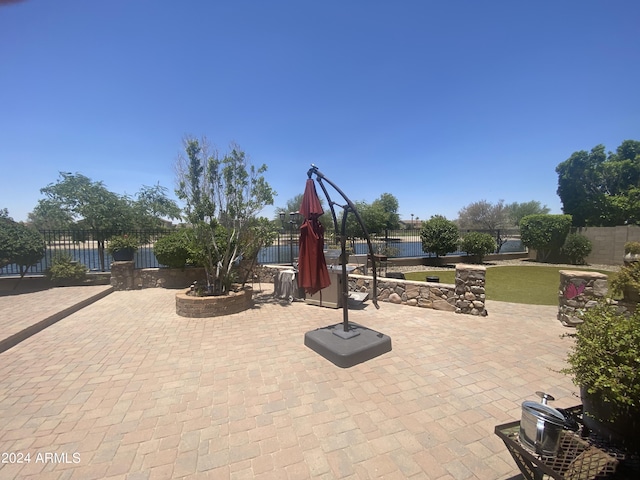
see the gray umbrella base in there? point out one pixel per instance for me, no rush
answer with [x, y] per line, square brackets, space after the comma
[346, 349]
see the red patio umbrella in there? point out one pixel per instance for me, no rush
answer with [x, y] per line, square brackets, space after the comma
[313, 275]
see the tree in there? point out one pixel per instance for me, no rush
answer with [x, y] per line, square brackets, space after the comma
[600, 189]
[517, 211]
[48, 215]
[19, 244]
[387, 205]
[378, 217]
[152, 205]
[76, 201]
[293, 205]
[439, 236]
[223, 197]
[483, 215]
[353, 229]
[87, 204]
[545, 233]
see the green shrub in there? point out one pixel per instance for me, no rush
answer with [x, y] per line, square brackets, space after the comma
[64, 268]
[439, 236]
[478, 244]
[122, 242]
[173, 250]
[545, 233]
[577, 248]
[606, 355]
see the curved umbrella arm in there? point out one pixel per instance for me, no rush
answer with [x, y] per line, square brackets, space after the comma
[333, 212]
[350, 206]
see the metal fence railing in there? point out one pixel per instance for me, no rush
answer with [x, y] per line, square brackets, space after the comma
[85, 247]
[393, 243]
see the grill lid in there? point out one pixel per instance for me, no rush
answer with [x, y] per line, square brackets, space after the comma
[544, 412]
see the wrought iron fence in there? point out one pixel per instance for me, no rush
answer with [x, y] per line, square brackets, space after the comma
[393, 243]
[87, 247]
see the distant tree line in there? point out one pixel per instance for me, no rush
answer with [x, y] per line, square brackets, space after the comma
[596, 189]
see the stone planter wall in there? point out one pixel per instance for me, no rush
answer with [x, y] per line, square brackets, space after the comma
[202, 307]
[168, 277]
[466, 296]
[579, 291]
[125, 277]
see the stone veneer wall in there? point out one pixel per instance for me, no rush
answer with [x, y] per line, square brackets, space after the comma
[579, 290]
[470, 289]
[466, 296]
[125, 277]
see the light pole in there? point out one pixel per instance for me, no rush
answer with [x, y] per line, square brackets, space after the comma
[282, 216]
[412, 221]
[292, 221]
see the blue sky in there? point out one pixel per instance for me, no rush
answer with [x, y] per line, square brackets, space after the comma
[440, 103]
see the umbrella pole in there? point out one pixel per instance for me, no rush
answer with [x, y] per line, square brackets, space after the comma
[345, 278]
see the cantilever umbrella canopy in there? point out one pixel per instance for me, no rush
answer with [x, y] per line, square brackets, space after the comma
[313, 275]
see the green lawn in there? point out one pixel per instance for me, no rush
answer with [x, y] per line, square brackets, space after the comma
[534, 285]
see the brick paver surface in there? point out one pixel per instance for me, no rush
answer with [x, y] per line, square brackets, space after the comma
[126, 389]
[20, 311]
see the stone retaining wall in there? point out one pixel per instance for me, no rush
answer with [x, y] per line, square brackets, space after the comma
[466, 296]
[579, 291]
[125, 277]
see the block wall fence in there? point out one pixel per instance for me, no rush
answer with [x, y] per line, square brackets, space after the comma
[608, 242]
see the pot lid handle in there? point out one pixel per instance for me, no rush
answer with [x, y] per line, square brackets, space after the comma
[545, 397]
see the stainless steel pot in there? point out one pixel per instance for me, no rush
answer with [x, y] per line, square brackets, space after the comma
[541, 426]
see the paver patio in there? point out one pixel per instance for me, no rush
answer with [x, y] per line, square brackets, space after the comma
[24, 314]
[126, 389]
